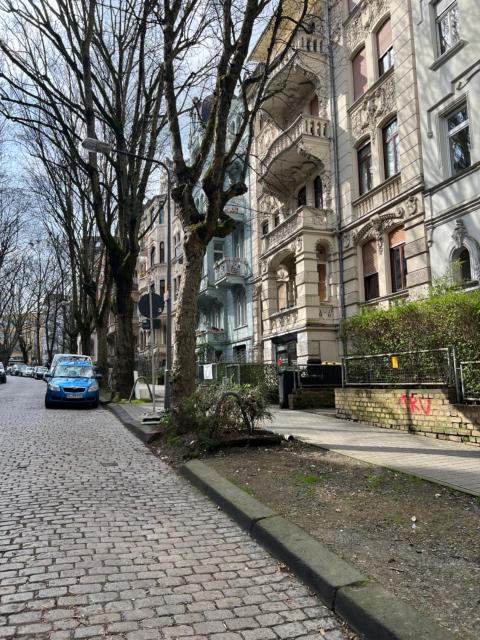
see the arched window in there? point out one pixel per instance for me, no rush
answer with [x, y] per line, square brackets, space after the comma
[302, 197]
[318, 193]
[462, 268]
[385, 48]
[240, 308]
[322, 273]
[152, 256]
[359, 70]
[286, 290]
[162, 252]
[370, 270]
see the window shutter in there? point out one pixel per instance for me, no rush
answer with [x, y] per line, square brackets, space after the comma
[384, 38]
[359, 66]
[370, 259]
[397, 237]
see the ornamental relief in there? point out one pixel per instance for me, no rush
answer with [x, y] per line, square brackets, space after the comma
[361, 23]
[380, 223]
[283, 322]
[372, 109]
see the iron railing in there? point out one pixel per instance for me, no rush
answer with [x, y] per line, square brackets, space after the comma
[427, 367]
[470, 380]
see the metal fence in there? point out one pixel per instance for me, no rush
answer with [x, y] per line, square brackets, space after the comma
[316, 375]
[433, 367]
[229, 373]
[143, 364]
[470, 380]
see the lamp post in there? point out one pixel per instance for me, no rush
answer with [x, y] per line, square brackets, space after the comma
[100, 146]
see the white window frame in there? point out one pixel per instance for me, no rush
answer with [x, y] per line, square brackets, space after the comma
[445, 116]
[437, 19]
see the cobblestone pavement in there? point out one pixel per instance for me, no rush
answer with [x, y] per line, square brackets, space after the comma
[100, 539]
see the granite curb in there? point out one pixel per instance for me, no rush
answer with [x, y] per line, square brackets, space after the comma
[365, 605]
[145, 432]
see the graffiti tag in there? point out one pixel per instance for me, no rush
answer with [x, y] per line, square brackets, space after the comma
[415, 404]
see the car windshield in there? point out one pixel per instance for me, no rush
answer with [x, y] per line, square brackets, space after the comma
[74, 371]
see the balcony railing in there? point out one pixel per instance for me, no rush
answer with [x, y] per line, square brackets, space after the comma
[304, 125]
[210, 335]
[230, 267]
[304, 217]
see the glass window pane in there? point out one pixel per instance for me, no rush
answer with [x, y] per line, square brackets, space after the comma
[460, 150]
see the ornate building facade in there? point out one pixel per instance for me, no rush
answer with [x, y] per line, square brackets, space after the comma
[337, 181]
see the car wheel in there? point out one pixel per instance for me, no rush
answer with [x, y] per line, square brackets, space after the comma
[48, 404]
[94, 405]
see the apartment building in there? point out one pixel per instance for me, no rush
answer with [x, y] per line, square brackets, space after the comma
[337, 186]
[448, 65]
[152, 274]
[224, 327]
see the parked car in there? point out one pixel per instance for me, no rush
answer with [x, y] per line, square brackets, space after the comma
[21, 369]
[72, 382]
[29, 371]
[3, 374]
[40, 372]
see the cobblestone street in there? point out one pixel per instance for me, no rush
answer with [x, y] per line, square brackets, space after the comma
[100, 539]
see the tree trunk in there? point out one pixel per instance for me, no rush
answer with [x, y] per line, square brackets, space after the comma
[101, 328]
[86, 338]
[184, 365]
[124, 362]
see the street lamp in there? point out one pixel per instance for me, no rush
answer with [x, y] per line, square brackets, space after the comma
[100, 146]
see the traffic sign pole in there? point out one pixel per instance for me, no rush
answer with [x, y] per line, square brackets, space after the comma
[152, 334]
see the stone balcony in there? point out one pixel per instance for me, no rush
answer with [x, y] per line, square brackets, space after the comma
[303, 219]
[283, 153]
[377, 197]
[282, 322]
[210, 335]
[291, 81]
[230, 271]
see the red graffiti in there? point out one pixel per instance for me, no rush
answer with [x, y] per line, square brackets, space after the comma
[415, 404]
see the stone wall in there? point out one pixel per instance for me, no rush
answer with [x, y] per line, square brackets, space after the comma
[429, 412]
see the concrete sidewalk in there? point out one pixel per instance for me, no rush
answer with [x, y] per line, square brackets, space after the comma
[447, 463]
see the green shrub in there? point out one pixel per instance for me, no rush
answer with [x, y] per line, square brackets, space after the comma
[450, 319]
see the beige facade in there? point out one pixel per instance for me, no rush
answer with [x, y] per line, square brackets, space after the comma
[322, 254]
[152, 273]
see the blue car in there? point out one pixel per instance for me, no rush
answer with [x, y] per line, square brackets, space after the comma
[72, 382]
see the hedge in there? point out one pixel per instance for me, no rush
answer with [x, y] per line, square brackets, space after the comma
[448, 320]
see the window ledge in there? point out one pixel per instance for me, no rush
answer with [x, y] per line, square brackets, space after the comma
[398, 295]
[241, 326]
[447, 55]
[284, 311]
[371, 89]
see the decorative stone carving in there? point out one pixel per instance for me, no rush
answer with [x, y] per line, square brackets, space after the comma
[298, 244]
[362, 21]
[412, 205]
[372, 109]
[377, 226]
[263, 266]
[461, 238]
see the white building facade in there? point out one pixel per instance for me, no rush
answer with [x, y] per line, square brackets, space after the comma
[448, 64]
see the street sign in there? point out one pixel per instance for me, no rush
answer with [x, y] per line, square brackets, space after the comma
[157, 303]
[146, 324]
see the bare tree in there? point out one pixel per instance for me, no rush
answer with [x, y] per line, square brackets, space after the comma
[98, 60]
[223, 38]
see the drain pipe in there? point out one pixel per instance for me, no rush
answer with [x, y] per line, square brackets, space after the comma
[336, 168]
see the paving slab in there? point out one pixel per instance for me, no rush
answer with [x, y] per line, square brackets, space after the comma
[451, 464]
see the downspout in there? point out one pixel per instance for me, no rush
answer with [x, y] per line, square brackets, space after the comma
[336, 168]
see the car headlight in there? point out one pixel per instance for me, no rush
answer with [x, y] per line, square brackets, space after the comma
[93, 386]
[53, 387]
